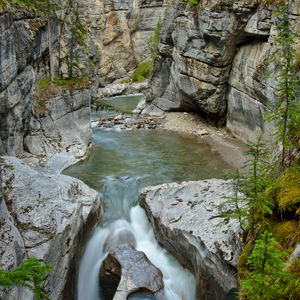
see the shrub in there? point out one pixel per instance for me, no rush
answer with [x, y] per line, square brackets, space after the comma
[143, 71]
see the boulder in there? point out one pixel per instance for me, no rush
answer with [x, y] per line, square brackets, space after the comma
[126, 271]
[46, 216]
[187, 222]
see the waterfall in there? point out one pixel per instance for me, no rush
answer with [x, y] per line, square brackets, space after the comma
[179, 283]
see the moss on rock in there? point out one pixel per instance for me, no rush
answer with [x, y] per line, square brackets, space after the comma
[286, 191]
[287, 233]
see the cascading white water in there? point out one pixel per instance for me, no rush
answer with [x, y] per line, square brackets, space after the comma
[119, 166]
[179, 283]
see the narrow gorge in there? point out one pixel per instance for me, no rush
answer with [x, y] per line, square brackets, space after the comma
[118, 122]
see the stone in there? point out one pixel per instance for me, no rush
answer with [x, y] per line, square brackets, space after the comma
[249, 92]
[187, 222]
[121, 35]
[15, 112]
[64, 127]
[131, 272]
[47, 216]
[197, 50]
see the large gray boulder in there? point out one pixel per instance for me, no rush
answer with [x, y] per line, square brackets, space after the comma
[186, 221]
[131, 271]
[46, 216]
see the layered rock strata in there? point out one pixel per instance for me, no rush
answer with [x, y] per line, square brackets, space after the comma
[121, 34]
[186, 221]
[60, 124]
[23, 48]
[213, 59]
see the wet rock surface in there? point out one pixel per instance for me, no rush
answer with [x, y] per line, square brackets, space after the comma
[128, 271]
[130, 122]
[187, 222]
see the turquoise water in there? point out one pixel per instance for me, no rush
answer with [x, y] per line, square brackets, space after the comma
[121, 163]
[123, 103]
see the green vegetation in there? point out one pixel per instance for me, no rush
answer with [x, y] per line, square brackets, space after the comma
[268, 277]
[193, 2]
[30, 274]
[47, 89]
[153, 41]
[42, 7]
[145, 68]
[143, 71]
[266, 198]
[286, 109]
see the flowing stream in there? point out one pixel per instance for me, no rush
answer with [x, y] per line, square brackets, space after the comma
[120, 165]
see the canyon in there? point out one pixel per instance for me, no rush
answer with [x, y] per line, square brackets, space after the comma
[212, 60]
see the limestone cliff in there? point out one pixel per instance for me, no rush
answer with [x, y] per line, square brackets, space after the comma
[212, 59]
[116, 38]
[42, 213]
[121, 33]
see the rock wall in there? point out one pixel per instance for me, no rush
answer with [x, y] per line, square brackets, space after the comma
[60, 124]
[212, 59]
[44, 215]
[22, 48]
[116, 41]
[121, 33]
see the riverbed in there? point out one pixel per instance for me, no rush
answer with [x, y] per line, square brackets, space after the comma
[121, 163]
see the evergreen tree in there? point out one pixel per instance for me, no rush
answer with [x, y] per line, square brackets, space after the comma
[31, 274]
[285, 112]
[235, 206]
[269, 278]
[255, 182]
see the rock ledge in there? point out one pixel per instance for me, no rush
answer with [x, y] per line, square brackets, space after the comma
[185, 221]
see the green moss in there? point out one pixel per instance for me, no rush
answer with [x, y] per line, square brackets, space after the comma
[143, 71]
[47, 89]
[243, 269]
[286, 191]
[287, 233]
[193, 2]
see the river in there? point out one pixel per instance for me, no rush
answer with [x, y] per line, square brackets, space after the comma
[121, 163]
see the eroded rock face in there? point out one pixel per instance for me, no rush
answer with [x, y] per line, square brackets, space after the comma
[44, 215]
[186, 221]
[213, 59]
[196, 49]
[23, 52]
[132, 272]
[62, 125]
[120, 31]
